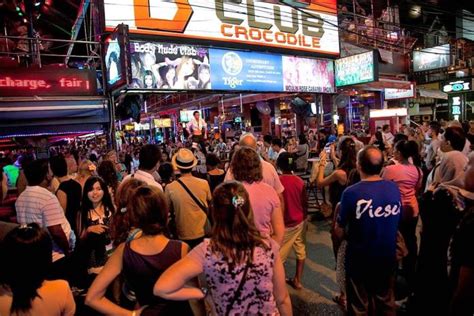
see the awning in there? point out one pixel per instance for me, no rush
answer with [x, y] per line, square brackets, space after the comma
[434, 94]
[27, 117]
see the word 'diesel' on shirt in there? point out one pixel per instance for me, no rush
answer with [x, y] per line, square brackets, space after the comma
[364, 206]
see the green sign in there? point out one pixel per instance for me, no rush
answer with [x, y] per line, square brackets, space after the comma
[356, 69]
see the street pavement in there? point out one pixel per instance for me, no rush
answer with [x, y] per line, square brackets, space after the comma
[319, 276]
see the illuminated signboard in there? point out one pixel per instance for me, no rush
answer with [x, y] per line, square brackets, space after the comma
[431, 58]
[456, 103]
[116, 58]
[47, 82]
[458, 86]
[161, 123]
[237, 70]
[308, 75]
[307, 26]
[169, 66]
[355, 69]
[392, 94]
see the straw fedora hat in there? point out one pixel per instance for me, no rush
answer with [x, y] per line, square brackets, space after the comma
[184, 159]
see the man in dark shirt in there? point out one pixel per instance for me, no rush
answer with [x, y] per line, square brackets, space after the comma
[368, 220]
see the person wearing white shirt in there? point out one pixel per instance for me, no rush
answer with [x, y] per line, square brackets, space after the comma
[149, 162]
[37, 205]
[197, 128]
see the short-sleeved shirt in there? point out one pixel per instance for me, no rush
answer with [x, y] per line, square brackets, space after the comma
[270, 176]
[264, 202]
[408, 178]
[293, 194]
[38, 205]
[370, 213]
[54, 298]
[256, 297]
[190, 218]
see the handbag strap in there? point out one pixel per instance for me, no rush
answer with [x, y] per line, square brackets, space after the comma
[195, 199]
[240, 287]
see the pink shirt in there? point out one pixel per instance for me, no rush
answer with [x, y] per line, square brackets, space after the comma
[264, 200]
[408, 178]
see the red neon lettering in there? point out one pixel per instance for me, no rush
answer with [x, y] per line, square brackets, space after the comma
[255, 34]
[265, 33]
[240, 30]
[280, 37]
[34, 84]
[316, 42]
[31, 84]
[223, 30]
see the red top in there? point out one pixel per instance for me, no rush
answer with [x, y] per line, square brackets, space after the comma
[293, 194]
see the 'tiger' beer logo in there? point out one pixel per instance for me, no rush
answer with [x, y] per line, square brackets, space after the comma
[175, 24]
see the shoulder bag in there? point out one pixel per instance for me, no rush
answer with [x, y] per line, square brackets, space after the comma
[207, 226]
[240, 287]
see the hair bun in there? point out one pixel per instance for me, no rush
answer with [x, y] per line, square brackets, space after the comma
[238, 201]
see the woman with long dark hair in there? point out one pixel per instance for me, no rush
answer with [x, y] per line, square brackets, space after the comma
[345, 159]
[243, 269]
[345, 174]
[142, 260]
[94, 224]
[26, 262]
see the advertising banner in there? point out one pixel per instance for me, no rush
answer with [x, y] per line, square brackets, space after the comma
[308, 75]
[116, 59]
[392, 94]
[169, 66]
[236, 70]
[356, 69]
[431, 58]
[295, 25]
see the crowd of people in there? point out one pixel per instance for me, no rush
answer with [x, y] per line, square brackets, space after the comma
[205, 227]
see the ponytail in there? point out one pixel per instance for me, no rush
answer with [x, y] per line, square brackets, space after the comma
[409, 149]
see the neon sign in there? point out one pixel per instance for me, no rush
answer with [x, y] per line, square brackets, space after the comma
[458, 86]
[309, 27]
[27, 82]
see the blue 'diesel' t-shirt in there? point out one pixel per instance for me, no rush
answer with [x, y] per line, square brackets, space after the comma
[370, 213]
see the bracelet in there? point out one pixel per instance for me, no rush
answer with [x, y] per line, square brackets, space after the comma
[204, 291]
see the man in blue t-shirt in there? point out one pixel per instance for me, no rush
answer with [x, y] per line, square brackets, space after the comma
[368, 220]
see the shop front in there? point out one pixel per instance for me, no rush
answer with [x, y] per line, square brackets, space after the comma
[230, 76]
[50, 102]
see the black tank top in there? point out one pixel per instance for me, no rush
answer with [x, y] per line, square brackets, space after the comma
[142, 271]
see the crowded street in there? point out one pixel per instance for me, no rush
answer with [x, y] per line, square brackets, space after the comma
[218, 157]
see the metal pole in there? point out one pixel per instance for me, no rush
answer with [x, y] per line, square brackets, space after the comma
[112, 122]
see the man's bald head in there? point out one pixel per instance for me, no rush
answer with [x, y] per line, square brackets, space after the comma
[370, 160]
[248, 140]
